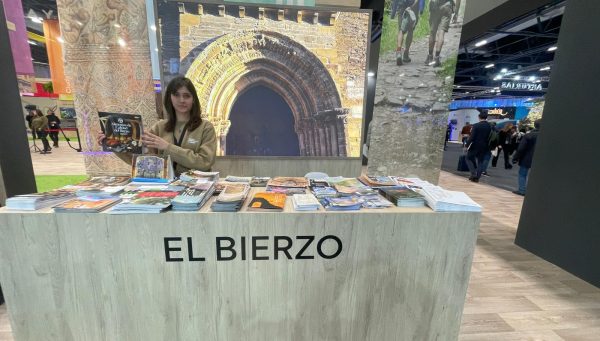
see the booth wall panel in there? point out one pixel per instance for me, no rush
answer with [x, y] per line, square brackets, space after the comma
[16, 171]
[559, 221]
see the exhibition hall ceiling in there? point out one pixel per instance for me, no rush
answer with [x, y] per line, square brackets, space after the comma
[511, 60]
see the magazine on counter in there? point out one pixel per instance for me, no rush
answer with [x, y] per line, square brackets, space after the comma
[264, 201]
[152, 169]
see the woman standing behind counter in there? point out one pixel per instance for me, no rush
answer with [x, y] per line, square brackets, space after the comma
[189, 140]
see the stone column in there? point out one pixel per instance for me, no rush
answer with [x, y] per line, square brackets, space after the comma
[107, 62]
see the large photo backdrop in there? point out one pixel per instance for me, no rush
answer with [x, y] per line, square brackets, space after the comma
[274, 81]
[415, 77]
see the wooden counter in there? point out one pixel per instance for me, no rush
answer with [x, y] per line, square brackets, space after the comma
[393, 274]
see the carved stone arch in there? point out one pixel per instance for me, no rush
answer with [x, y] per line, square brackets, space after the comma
[224, 68]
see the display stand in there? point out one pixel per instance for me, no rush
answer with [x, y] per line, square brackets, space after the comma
[34, 148]
[393, 274]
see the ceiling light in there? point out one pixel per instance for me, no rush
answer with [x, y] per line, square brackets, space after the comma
[371, 74]
[517, 78]
[532, 78]
[458, 86]
[498, 77]
[122, 42]
[547, 68]
[481, 43]
[31, 42]
[504, 70]
[36, 19]
[489, 66]
[553, 48]
[117, 25]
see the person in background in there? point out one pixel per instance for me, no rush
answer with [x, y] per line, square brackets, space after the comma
[448, 133]
[456, 10]
[465, 132]
[408, 17]
[29, 118]
[53, 124]
[40, 125]
[505, 146]
[488, 155]
[440, 13]
[478, 147]
[524, 156]
[189, 140]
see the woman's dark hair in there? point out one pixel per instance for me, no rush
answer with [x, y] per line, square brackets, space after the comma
[195, 118]
[38, 112]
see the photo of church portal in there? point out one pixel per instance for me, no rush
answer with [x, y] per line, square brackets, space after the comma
[274, 81]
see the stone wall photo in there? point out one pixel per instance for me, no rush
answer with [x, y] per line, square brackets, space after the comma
[274, 81]
[414, 86]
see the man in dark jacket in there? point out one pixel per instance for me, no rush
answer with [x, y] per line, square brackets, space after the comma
[478, 147]
[54, 125]
[524, 156]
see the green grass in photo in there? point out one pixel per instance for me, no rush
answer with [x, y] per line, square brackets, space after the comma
[49, 182]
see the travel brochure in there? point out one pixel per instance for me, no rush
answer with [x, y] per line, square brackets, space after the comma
[123, 132]
[191, 192]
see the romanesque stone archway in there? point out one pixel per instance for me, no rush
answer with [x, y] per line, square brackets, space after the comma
[222, 69]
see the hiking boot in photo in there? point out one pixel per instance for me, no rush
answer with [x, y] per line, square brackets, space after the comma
[429, 59]
[398, 58]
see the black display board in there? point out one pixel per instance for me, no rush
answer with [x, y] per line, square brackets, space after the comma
[15, 159]
[560, 220]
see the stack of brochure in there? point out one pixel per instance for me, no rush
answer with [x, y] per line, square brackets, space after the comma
[375, 201]
[231, 198]
[146, 202]
[352, 187]
[403, 196]
[199, 176]
[103, 192]
[377, 181]
[259, 181]
[193, 198]
[233, 178]
[348, 203]
[441, 200]
[287, 185]
[323, 192]
[86, 205]
[305, 202]
[32, 202]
